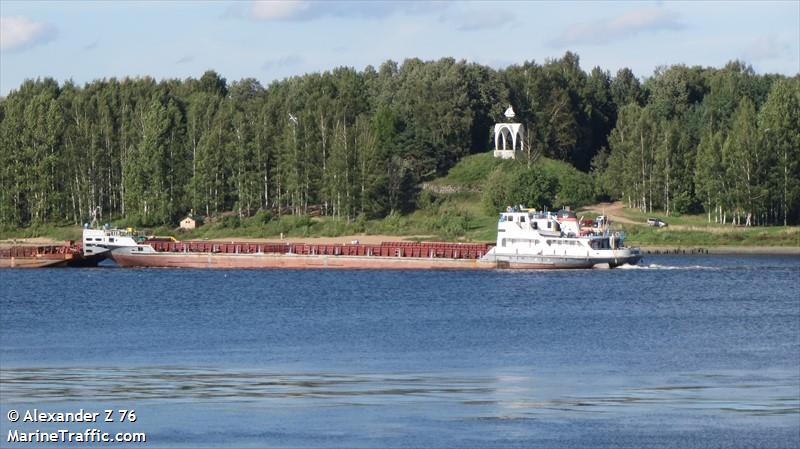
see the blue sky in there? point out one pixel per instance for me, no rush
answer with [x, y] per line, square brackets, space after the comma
[268, 40]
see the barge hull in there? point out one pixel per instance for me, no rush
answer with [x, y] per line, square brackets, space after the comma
[294, 261]
[33, 262]
[291, 261]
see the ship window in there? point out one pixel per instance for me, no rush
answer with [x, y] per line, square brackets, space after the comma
[111, 239]
[549, 225]
[522, 219]
[503, 242]
[98, 240]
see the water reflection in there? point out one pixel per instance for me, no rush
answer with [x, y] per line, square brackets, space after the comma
[497, 396]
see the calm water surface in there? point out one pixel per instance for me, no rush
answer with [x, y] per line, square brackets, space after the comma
[690, 352]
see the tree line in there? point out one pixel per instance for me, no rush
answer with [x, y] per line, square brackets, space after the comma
[724, 141]
[347, 143]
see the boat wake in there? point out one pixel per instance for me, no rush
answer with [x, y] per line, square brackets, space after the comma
[655, 266]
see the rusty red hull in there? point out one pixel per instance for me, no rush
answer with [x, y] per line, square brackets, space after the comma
[292, 261]
[295, 261]
[49, 260]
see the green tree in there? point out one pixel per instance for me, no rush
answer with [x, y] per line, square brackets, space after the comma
[779, 126]
[744, 163]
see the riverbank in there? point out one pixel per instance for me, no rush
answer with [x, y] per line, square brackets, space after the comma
[459, 219]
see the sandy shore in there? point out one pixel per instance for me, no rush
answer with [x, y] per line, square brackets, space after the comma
[34, 241]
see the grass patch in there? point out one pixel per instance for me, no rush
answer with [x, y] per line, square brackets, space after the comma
[54, 232]
[472, 170]
[762, 236]
[689, 220]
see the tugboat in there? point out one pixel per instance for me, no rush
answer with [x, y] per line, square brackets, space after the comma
[530, 239]
[105, 240]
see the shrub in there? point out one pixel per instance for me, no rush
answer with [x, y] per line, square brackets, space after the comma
[496, 191]
[427, 200]
[263, 216]
[453, 222]
[392, 224]
[231, 221]
[530, 187]
[574, 187]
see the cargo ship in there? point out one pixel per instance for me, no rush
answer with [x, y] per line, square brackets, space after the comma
[526, 239]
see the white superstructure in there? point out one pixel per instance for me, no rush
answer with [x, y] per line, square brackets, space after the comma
[96, 241]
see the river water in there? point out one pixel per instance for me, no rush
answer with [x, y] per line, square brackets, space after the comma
[682, 351]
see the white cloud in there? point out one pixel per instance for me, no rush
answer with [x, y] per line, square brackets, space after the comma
[19, 33]
[289, 10]
[627, 25]
[279, 9]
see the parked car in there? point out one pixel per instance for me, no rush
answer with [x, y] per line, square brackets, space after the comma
[600, 220]
[656, 222]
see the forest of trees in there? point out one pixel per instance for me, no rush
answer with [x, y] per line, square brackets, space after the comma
[725, 141]
[346, 143]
